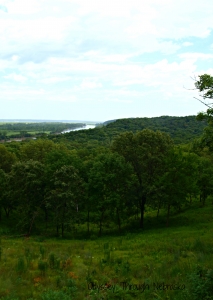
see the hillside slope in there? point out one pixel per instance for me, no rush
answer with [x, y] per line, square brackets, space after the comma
[181, 129]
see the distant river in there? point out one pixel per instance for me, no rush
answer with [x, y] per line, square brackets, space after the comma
[81, 128]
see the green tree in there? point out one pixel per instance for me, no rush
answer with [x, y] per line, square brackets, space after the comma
[7, 159]
[54, 160]
[66, 197]
[205, 180]
[37, 150]
[205, 85]
[179, 179]
[109, 181]
[28, 188]
[146, 152]
[2, 188]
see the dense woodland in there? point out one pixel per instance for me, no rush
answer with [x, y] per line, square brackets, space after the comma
[52, 185]
[181, 129]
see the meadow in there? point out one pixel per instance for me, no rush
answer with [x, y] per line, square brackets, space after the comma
[174, 262]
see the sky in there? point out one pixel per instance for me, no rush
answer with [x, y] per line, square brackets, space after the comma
[100, 60]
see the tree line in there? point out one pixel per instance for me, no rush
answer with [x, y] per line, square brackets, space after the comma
[17, 130]
[47, 182]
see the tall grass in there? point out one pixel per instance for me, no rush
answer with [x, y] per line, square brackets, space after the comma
[165, 263]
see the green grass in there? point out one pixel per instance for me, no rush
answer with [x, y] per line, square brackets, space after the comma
[79, 269]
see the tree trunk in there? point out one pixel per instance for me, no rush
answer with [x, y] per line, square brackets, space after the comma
[158, 209]
[142, 207]
[204, 199]
[100, 223]
[62, 230]
[46, 216]
[119, 220]
[88, 221]
[7, 212]
[168, 211]
[100, 228]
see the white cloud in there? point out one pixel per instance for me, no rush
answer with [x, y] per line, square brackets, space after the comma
[195, 56]
[52, 80]
[87, 84]
[3, 8]
[187, 44]
[16, 77]
[120, 51]
[21, 7]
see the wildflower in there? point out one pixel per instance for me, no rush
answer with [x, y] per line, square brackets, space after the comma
[37, 280]
[72, 275]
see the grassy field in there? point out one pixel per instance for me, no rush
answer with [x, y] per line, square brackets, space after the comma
[164, 263]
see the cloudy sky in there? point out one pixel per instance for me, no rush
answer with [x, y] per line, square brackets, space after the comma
[103, 59]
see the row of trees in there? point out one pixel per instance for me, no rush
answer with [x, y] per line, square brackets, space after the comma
[20, 130]
[50, 183]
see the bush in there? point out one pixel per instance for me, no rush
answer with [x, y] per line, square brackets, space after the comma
[202, 284]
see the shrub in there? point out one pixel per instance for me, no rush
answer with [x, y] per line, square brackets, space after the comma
[202, 284]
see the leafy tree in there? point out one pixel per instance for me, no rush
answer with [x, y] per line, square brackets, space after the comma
[37, 150]
[205, 180]
[66, 197]
[205, 85]
[109, 180]
[178, 180]
[146, 152]
[55, 160]
[28, 187]
[7, 159]
[2, 188]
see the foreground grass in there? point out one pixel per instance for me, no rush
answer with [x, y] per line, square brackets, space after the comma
[151, 264]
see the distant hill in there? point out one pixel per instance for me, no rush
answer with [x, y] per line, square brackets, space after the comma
[181, 129]
[107, 122]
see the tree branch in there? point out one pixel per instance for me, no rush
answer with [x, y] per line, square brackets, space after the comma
[203, 102]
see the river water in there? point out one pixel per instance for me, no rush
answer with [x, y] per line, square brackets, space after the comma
[81, 128]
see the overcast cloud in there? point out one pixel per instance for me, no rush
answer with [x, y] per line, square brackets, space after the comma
[100, 60]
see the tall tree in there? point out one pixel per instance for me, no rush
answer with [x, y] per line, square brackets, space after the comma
[28, 187]
[204, 84]
[178, 180]
[3, 180]
[146, 152]
[205, 180]
[66, 197]
[7, 159]
[109, 180]
[54, 160]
